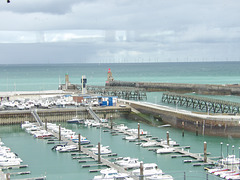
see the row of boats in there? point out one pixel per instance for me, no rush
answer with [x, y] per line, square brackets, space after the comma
[224, 172]
[24, 104]
[8, 158]
[228, 168]
[150, 172]
[39, 133]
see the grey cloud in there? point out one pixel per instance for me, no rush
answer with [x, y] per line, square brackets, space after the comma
[55, 30]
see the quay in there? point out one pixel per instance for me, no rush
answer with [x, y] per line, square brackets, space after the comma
[60, 114]
[201, 123]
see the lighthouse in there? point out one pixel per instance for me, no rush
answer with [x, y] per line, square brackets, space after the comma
[109, 76]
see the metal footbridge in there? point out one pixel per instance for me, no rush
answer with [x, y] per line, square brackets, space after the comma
[129, 93]
[37, 118]
[201, 103]
[93, 114]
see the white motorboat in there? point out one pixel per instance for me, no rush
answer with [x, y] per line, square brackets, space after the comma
[171, 142]
[104, 120]
[219, 173]
[83, 140]
[159, 177]
[42, 134]
[96, 147]
[32, 128]
[122, 160]
[149, 169]
[66, 148]
[217, 170]
[26, 124]
[135, 131]
[4, 159]
[228, 173]
[121, 127]
[130, 138]
[230, 159]
[9, 163]
[96, 124]
[233, 176]
[88, 122]
[148, 144]
[103, 151]
[165, 150]
[21, 106]
[111, 174]
[131, 164]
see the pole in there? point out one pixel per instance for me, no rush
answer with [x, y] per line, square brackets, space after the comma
[227, 155]
[79, 142]
[59, 132]
[141, 171]
[138, 131]
[167, 138]
[8, 176]
[99, 152]
[197, 128]
[46, 124]
[183, 129]
[239, 157]
[205, 151]
[111, 122]
[232, 154]
[221, 155]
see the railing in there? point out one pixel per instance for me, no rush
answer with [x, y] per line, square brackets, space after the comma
[36, 117]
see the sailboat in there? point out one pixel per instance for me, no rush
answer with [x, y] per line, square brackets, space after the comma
[75, 119]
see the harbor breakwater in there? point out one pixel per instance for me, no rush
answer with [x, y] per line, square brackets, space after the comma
[208, 89]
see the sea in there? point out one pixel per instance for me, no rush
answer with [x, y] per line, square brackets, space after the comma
[42, 161]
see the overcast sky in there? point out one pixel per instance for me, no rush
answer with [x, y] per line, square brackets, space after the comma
[103, 31]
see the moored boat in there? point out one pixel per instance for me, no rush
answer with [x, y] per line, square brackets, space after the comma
[111, 174]
[165, 150]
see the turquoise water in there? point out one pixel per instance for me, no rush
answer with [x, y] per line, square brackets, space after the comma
[46, 77]
[43, 161]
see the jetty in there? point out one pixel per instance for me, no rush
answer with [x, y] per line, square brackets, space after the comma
[209, 89]
[200, 159]
[201, 123]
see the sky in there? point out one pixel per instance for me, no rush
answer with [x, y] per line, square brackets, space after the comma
[118, 31]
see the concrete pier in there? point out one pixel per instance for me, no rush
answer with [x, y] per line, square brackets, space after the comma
[207, 124]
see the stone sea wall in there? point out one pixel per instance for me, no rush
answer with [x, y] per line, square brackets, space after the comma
[210, 89]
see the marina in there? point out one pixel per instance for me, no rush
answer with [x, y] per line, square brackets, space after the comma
[185, 158]
[101, 161]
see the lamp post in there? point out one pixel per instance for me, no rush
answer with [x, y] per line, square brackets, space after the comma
[221, 155]
[227, 155]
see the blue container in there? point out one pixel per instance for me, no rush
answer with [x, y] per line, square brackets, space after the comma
[104, 103]
[110, 100]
